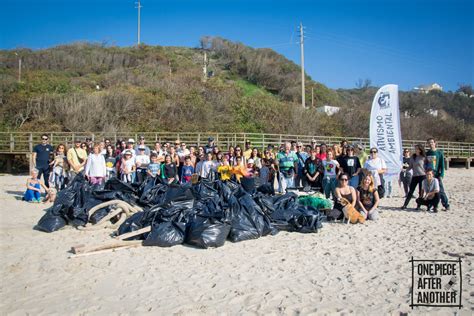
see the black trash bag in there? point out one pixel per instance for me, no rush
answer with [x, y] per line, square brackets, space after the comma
[265, 202]
[303, 219]
[155, 195]
[135, 222]
[166, 234]
[266, 188]
[99, 214]
[207, 232]
[177, 193]
[204, 190]
[50, 223]
[109, 195]
[147, 184]
[285, 201]
[211, 207]
[114, 184]
[248, 220]
[248, 184]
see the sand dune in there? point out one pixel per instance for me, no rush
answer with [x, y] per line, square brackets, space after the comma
[360, 269]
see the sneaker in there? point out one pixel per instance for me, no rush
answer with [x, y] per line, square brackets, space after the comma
[435, 210]
[428, 208]
[418, 207]
[446, 208]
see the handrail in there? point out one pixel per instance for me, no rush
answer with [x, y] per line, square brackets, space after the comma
[23, 142]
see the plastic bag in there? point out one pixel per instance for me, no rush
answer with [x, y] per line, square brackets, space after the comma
[50, 223]
[248, 220]
[207, 232]
[166, 234]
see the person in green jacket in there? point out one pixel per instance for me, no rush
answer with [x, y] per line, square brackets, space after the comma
[435, 160]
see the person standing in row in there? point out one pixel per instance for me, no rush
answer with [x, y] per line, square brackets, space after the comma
[95, 170]
[77, 159]
[435, 161]
[42, 158]
[350, 164]
[405, 174]
[417, 164]
[288, 164]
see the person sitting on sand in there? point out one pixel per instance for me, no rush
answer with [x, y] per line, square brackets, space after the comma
[430, 192]
[33, 188]
[344, 190]
[368, 198]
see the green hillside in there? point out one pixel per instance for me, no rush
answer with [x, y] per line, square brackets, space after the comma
[91, 87]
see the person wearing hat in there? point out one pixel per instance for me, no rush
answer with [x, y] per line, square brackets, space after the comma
[129, 147]
[127, 167]
[141, 142]
[142, 160]
[77, 159]
[210, 145]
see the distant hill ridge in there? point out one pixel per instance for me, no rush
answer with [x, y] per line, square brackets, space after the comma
[92, 87]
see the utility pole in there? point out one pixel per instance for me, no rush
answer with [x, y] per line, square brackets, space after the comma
[19, 67]
[312, 97]
[303, 103]
[204, 66]
[138, 31]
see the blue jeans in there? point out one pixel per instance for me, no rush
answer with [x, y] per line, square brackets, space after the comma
[388, 187]
[30, 195]
[354, 181]
[442, 193]
[329, 185]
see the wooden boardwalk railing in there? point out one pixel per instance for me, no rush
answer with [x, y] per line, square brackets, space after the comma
[23, 143]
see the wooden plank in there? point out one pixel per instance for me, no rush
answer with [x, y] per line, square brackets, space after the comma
[134, 233]
[110, 245]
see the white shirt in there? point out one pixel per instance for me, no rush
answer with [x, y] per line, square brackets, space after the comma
[182, 153]
[95, 166]
[206, 168]
[373, 165]
[143, 160]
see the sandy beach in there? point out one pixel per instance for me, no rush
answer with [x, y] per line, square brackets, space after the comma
[343, 269]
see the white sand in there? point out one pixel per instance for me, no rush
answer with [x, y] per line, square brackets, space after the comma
[361, 269]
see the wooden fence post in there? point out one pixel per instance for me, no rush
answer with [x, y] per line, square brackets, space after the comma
[12, 142]
[30, 142]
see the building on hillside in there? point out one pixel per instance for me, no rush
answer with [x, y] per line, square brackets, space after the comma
[328, 110]
[428, 88]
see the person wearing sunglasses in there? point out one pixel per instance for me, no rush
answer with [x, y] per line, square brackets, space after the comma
[376, 166]
[343, 190]
[42, 158]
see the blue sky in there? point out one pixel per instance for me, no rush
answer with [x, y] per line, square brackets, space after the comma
[406, 42]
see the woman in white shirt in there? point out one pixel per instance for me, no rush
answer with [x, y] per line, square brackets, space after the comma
[376, 166]
[95, 167]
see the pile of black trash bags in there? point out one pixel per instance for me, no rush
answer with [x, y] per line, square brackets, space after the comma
[203, 215]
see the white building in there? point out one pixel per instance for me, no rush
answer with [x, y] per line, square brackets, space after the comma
[428, 87]
[329, 110]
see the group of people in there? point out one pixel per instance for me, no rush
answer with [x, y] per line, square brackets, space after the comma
[337, 171]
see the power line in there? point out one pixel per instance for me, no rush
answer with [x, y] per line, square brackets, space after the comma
[303, 97]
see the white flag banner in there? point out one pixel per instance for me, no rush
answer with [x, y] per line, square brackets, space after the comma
[385, 134]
